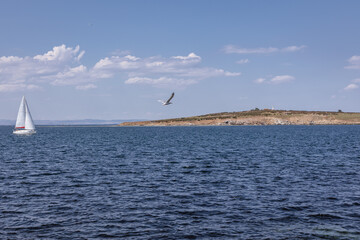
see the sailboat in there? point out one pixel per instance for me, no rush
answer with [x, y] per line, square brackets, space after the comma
[24, 123]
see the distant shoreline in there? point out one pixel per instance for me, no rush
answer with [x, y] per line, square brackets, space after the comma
[69, 125]
[258, 118]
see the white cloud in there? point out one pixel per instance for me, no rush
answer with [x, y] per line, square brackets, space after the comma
[203, 73]
[147, 80]
[86, 87]
[81, 54]
[21, 73]
[260, 80]
[117, 62]
[10, 59]
[354, 62]
[261, 50]
[275, 80]
[71, 76]
[61, 53]
[61, 66]
[293, 48]
[159, 71]
[161, 82]
[154, 64]
[234, 49]
[229, 74]
[191, 57]
[242, 61]
[351, 86]
[17, 87]
[132, 58]
[281, 79]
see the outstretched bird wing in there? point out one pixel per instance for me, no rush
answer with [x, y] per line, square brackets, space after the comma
[172, 95]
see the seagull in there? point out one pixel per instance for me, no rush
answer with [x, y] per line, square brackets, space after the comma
[168, 101]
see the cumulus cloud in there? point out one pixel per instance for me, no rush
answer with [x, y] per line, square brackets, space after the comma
[351, 86]
[158, 71]
[61, 53]
[354, 62]
[10, 59]
[261, 50]
[117, 62]
[26, 73]
[61, 66]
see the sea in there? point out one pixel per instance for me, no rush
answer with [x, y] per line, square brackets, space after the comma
[223, 182]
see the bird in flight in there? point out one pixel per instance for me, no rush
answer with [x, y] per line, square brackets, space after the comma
[168, 101]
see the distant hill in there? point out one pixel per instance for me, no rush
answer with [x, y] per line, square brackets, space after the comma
[258, 117]
[71, 122]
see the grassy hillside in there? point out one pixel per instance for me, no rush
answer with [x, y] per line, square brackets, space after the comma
[259, 117]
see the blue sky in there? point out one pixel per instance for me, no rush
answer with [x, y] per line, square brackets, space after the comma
[115, 59]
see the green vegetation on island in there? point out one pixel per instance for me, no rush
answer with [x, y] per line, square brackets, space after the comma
[259, 117]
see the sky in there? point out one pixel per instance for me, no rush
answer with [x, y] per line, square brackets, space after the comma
[108, 60]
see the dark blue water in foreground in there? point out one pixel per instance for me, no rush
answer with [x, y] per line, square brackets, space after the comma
[262, 182]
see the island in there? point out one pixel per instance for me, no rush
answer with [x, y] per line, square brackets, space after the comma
[258, 117]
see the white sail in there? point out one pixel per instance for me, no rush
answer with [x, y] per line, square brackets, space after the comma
[29, 124]
[20, 121]
[24, 123]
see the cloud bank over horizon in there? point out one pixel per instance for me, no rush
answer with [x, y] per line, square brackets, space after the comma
[61, 67]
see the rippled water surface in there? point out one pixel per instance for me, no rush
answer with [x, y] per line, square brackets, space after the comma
[244, 182]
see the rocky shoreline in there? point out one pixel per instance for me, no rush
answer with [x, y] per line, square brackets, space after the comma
[258, 117]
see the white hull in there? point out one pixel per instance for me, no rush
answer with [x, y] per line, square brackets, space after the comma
[24, 132]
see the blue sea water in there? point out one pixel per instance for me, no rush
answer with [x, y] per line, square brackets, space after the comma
[238, 182]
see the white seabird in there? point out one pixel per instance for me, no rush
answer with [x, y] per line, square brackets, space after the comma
[168, 101]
